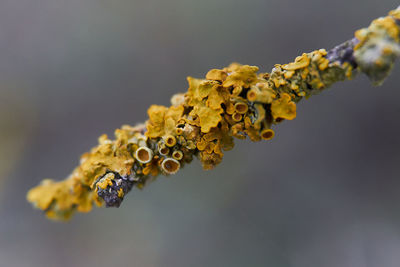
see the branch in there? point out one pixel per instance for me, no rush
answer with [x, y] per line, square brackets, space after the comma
[230, 102]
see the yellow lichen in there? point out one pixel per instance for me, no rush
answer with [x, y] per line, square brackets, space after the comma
[300, 62]
[155, 124]
[199, 89]
[231, 102]
[283, 108]
[106, 181]
[208, 117]
[152, 168]
[121, 192]
[395, 13]
[162, 120]
[217, 97]
[242, 76]
[217, 75]
[261, 92]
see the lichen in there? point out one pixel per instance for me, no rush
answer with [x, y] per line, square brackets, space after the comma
[232, 102]
[378, 47]
[283, 108]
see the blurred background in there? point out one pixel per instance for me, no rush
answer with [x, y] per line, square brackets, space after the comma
[324, 192]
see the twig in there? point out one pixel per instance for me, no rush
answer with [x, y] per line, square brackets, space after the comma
[231, 102]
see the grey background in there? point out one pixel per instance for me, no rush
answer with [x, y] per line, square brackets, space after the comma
[324, 192]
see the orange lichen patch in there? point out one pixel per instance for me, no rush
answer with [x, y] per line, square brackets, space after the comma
[177, 154]
[79, 191]
[289, 74]
[261, 92]
[174, 113]
[106, 181]
[155, 124]
[237, 117]
[201, 144]
[321, 52]
[170, 140]
[221, 135]
[348, 70]
[317, 83]
[252, 130]
[84, 199]
[199, 89]
[210, 160]
[206, 103]
[236, 91]
[238, 131]
[170, 165]
[361, 35]
[232, 67]
[295, 87]
[304, 73]
[241, 107]
[230, 108]
[389, 25]
[217, 97]
[260, 116]
[395, 13]
[283, 108]
[44, 194]
[242, 76]
[299, 63]
[211, 145]
[152, 168]
[217, 75]
[121, 192]
[125, 134]
[58, 199]
[114, 155]
[208, 117]
[144, 154]
[324, 63]
[267, 134]
[387, 50]
[382, 26]
[253, 134]
[277, 77]
[162, 120]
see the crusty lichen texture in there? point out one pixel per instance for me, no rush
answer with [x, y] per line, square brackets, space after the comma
[233, 102]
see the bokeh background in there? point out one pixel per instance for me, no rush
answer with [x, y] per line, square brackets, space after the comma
[324, 192]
